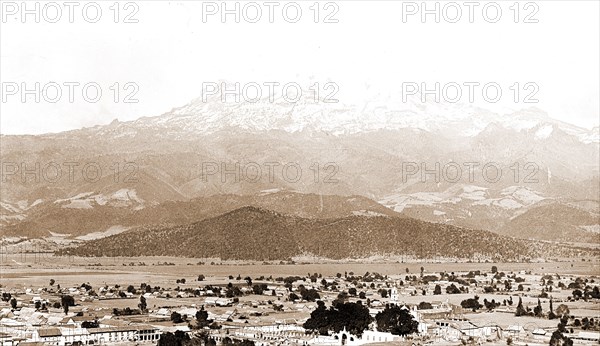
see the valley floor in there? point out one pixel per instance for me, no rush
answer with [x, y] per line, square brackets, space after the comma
[269, 317]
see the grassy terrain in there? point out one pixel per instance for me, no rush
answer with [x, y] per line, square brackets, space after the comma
[35, 270]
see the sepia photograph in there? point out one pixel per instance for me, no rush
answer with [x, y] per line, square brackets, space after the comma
[308, 172]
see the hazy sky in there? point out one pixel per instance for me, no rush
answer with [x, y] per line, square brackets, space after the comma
[170, 52]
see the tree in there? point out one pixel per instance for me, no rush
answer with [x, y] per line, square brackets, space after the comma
[342, 297]
[396, 320]
[488, 289]
[38, 304]
[562, 310]
[52, 282]
[6, 296]
[142, 305]
[520, 309]
[352, 291]
[176, 317]
[13, 303]
[494, 269]
[537, 311]
[424, 306]
[66, 301]
[202, 318]
[259, 289]
[90, 324]
[362, 295]
[437, 290]
[452, 289]
[201, 277]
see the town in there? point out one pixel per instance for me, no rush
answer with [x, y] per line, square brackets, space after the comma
[417, 306]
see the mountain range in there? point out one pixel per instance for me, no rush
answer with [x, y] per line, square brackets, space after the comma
[154, 169]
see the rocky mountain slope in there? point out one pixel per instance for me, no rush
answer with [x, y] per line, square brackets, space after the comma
[251, 233]
[213, 148]
[82, 215]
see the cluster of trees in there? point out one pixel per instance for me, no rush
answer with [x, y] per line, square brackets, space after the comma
[233, 291]
[354, 317]
[558, 338]
[471, 303]
[310, 295]
[491, 305]
[65, 302]
[538, 311]
[259, 289]
[180, 338]
[587, 323]
[396, 320]
[39, 306]
[587, 293]
[126, 311]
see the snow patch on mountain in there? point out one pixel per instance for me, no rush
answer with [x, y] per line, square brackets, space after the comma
[544, 132]
[472, 192]
[510, 198]
[591, 228]
[10, 208]
[97, 235]
[88, 200]
[206, 116]
[522, 194]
